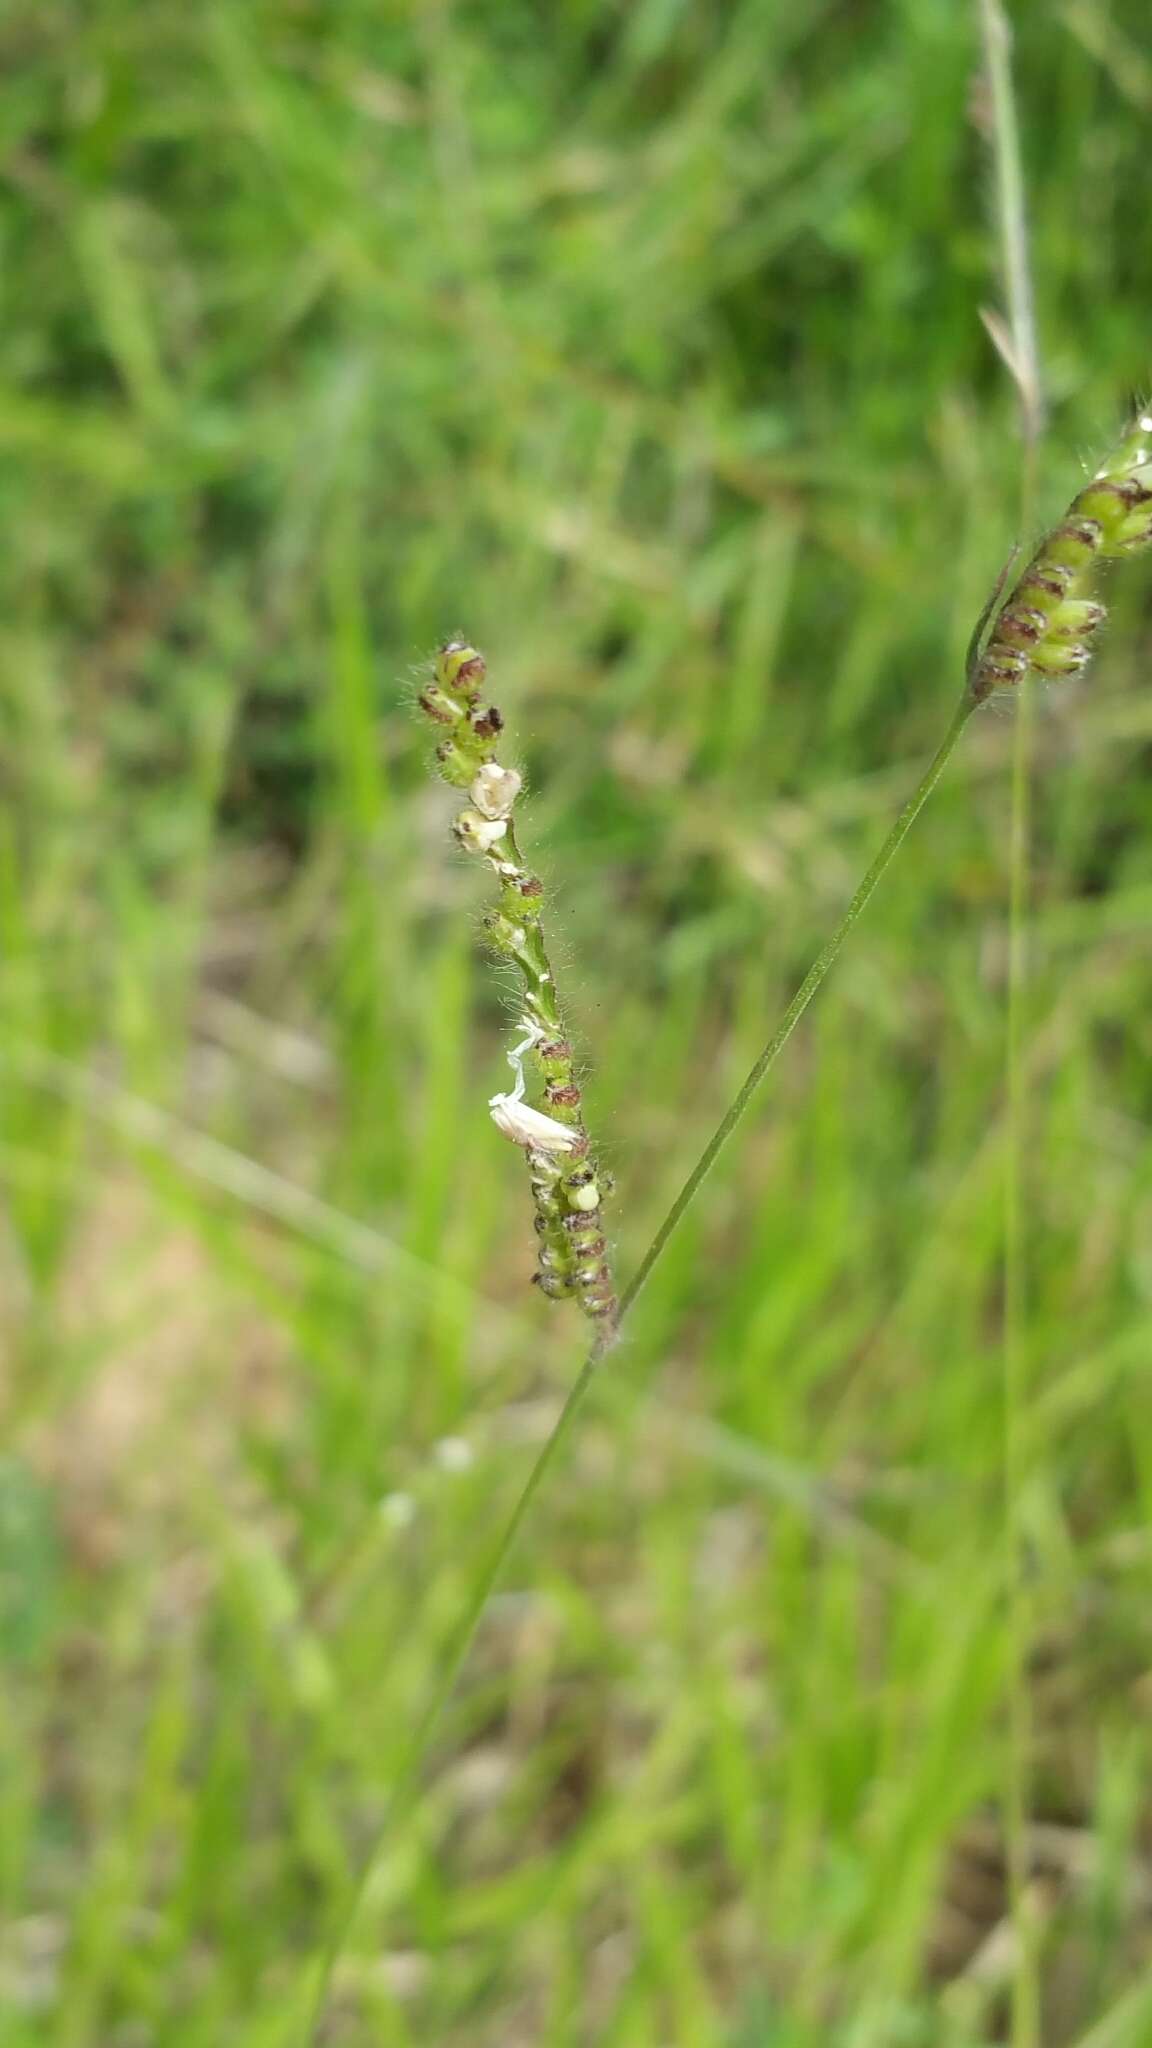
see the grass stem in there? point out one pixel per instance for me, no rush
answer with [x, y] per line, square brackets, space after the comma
[1025, 1984]
[1011, 216]
[820, 967]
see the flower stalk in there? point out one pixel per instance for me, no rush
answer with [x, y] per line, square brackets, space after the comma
[572, 1261]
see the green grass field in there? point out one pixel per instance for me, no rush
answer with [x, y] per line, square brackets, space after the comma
[642, 344]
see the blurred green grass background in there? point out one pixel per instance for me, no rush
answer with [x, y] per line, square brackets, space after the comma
[641, 343]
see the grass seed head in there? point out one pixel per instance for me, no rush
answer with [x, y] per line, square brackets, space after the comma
[571, 1251]
[1049, 619]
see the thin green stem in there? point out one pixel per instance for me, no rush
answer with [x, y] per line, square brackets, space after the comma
[1011, 212]
[816, 973]
[491, 1572]
[407, 1783]
[1018, 1620]
[1012, 227]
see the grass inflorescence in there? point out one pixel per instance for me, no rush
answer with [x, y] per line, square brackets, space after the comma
[1047, 624]
[572, 1257]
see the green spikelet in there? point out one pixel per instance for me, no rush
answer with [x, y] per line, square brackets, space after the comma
[1047, 623]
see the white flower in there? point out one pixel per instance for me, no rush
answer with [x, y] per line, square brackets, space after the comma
[495, 790]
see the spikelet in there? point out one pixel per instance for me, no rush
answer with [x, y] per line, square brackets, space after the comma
[572, 1257]
[1048, 622]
